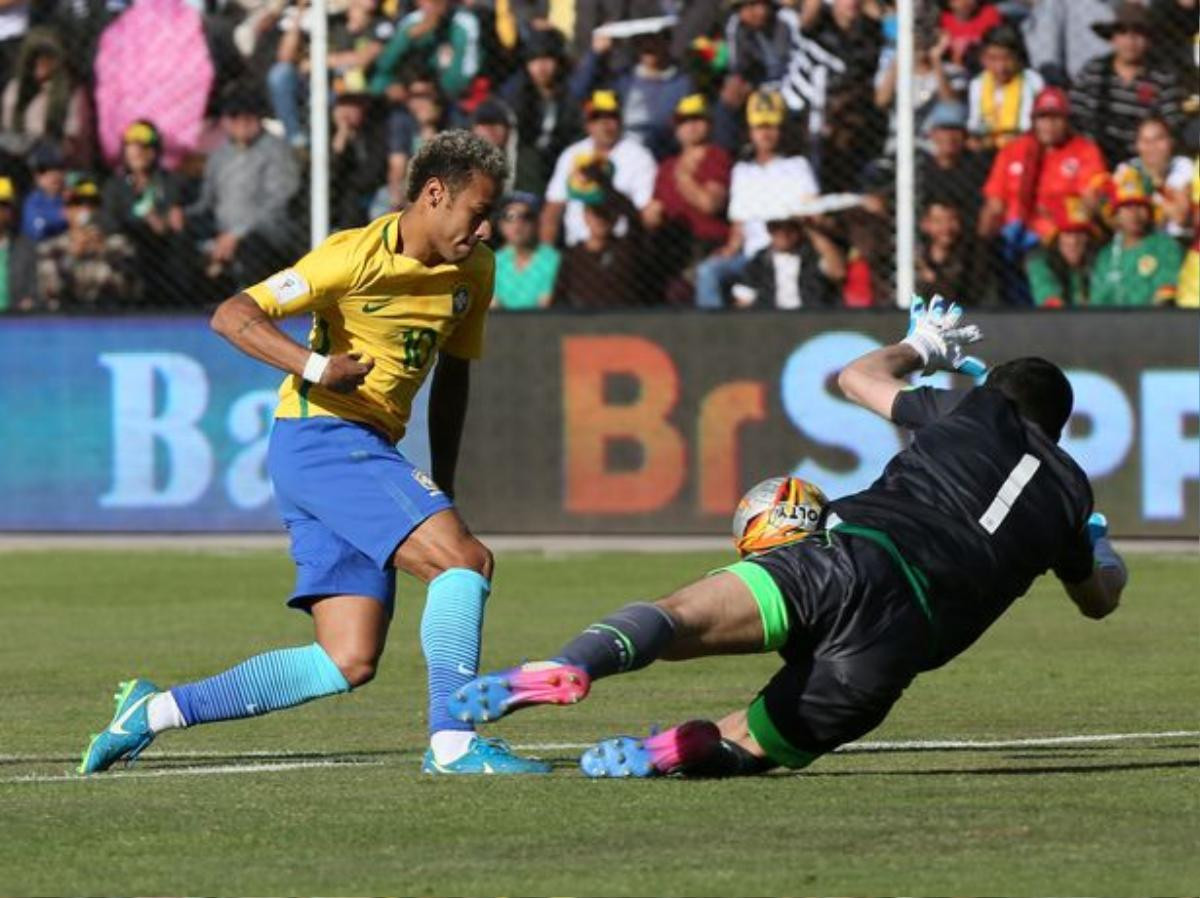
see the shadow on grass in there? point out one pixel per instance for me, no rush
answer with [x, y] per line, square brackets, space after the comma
[1043, 770]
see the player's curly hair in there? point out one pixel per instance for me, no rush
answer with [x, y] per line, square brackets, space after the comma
[453, 157]
[1039, 389]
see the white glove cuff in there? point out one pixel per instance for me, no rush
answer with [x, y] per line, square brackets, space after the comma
[924, 346]
[315, 367]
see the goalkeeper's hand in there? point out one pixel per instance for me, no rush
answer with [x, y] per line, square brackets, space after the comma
[1102, 549]
[937, 337]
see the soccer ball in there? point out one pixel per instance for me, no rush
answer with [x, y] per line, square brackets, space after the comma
[775, 512]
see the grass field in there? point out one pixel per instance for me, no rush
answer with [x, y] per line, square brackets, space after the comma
[328, 798]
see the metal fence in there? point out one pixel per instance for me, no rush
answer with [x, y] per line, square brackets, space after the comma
[709, 153]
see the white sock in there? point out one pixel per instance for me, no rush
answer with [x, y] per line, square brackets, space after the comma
[450, 745]
[162, 713]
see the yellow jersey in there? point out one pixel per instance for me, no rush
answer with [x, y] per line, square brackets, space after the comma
[365, 297]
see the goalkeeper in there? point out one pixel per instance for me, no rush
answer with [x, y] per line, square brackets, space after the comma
[899, 578]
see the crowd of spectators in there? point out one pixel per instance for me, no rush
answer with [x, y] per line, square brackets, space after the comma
[688, 153]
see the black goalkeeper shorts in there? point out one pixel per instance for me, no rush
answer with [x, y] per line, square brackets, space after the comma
[857, 636]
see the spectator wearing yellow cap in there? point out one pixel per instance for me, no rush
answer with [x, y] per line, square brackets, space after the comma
[767, 175]
[687, 214]
[142, 202]
[84, 268]
[18, 257]
[606, 147]
[1140, 267]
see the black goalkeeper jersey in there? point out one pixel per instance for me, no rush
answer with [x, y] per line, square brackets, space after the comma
[982, 502]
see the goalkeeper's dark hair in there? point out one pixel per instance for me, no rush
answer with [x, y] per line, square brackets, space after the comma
[1040, 391]
[453, 157]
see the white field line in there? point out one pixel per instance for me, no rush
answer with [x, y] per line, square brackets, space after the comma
[185, 771]
[301, 763]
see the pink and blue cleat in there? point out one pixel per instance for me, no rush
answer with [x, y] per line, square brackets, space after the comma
[660, 754]
[494, 695]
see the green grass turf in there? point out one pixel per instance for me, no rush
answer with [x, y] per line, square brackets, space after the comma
[1100, 819]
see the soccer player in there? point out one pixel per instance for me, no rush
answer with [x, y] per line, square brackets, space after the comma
[386, 301]
[899, 579]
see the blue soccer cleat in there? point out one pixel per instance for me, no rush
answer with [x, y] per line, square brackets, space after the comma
[658, 755]
[485, 757]
[494, 695]
[127, 734]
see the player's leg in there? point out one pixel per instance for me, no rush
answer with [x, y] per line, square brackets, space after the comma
[342, 657]
[803, 712]
[865, 640]
[457, 568]
[333, 576]
[350, 634]
[735, 611]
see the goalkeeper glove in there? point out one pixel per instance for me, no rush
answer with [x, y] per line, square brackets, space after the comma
[934, 332]
[1102, 550]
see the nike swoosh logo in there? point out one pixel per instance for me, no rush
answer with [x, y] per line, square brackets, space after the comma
[370, 307]
[466, 671]
[117, 727]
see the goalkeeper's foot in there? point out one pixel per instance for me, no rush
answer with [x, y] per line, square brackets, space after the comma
[494, 695]
[673, 751]
[127, 734]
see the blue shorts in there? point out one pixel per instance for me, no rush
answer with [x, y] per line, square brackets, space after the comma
[348, 498]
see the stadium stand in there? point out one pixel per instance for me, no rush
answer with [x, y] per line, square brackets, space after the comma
[631, 128]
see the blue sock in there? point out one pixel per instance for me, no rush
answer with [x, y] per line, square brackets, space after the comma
[450, 632]
[261, 684]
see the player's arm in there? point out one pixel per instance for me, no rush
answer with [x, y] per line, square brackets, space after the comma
[447, 410]
[242, 322]
[875, 379]
[1098, 593]
[934, 342]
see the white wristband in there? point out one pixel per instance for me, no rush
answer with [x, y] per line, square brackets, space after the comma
[922, 344]
[315, 367]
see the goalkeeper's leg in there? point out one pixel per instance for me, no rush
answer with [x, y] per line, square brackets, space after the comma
[737, 610]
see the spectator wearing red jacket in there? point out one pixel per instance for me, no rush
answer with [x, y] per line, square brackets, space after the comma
[1031, 176]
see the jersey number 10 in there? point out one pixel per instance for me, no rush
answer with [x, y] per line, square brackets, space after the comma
[419, 343]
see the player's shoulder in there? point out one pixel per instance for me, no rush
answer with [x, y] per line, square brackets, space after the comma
[357, 241]
[355, 251]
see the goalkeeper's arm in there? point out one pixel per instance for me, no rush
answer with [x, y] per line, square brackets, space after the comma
[1099, 595]
[874, 379]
